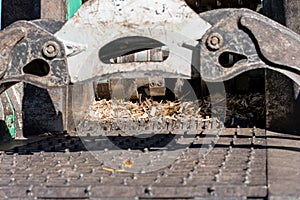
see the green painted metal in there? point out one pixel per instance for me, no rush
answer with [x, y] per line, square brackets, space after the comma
[11, 119]
[72, 7]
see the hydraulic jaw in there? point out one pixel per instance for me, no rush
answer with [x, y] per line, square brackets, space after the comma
[218, 44]
[241, 40]
[30, 53]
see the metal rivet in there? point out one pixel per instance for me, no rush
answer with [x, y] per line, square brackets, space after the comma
[134, 177]
[29, 176]
[67, 181]
[124, 181]
[217, 177]
[101, 179]
[214, 41]
[211, 190]
[190, 176]
[51, 49]
[29, 190]
[148, 191]
[80, 176]
[183, 181]
[88, 189]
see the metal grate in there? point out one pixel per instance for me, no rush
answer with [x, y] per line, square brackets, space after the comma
[60, 167]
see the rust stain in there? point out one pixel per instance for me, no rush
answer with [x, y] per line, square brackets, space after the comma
[128, 163]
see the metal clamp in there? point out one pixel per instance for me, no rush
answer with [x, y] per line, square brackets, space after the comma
[245, 41]
[30, 53]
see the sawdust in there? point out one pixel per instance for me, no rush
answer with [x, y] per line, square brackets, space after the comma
[171, 110]
[237, 107]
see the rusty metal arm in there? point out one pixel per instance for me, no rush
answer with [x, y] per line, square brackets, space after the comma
[31, 54]
[242, 40]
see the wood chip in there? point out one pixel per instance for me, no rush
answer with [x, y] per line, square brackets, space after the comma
[241, 105]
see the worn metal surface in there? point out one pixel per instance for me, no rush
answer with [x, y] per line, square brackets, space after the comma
[279, 89]
[9, 38]
[6, 112]
[31, 120]
[157, 87]
[287, 41]
[53, 9]
[14, 93]
[106, 49]
[28, 63]
[60, 167]
[283, 162]
[15, 10]
[244, 35]
[244, 163]
[25, 61]
[163, 23]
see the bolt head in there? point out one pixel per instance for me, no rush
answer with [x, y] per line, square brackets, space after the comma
[50, 49]
[214, 41]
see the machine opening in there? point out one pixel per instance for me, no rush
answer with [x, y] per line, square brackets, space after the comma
[37, 67]
[133, 49]
[229, 59]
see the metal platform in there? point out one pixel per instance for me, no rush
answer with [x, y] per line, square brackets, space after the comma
[244, 163]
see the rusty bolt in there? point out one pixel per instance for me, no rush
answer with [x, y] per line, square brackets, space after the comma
[152, 84]
[214, 41]
[50, 49]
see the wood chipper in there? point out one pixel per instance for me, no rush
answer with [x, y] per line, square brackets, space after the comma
[144, 85]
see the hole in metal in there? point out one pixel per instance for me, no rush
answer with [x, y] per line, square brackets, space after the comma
[229, 59]
[133, 49]
[37, 67]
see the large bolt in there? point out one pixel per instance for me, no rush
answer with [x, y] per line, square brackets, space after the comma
[214, 41]
[159, 83]
[152, 84]
[50, 49]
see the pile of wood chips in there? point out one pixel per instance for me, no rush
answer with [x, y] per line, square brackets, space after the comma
[116, 109]
[241, 105]
[244, 105]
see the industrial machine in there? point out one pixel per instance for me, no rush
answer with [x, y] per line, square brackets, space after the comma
[136, 50]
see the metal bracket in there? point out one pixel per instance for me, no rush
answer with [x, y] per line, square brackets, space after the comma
[242, 40]
[31, 54]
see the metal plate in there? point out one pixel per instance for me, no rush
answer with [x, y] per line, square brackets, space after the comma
[60, 167]
[104, 22]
